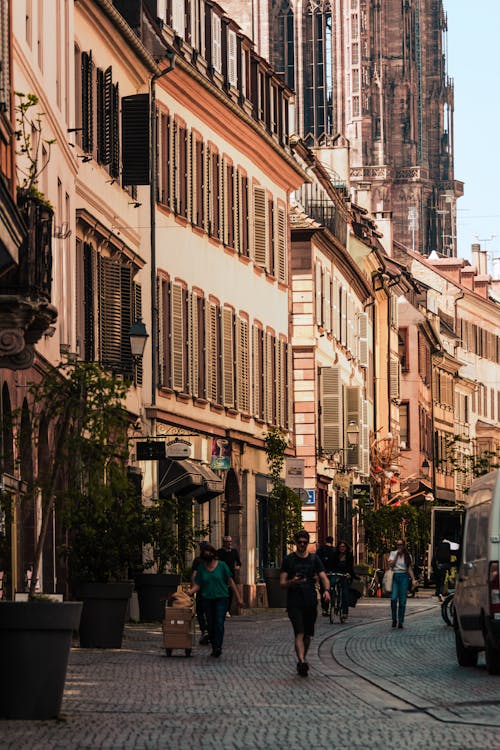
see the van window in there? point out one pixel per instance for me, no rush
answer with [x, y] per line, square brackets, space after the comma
[482, 531]
[476, 534]
[471, 535]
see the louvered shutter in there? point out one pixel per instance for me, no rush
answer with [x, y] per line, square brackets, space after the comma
[177, 336]
[136, 315]
[229, 223]
[182, 172]
[351, 322]
[232, 72]
[352, 398]
[242, 359]
[89, 301]
[281, 383]
[228, 357]
[394, 378]
[114, 169]
[363, 339]
[107, 117]
[87, 99]
[198, 179]
[343, 321]
[222, 199]
[111, 281]
[178, 17]
[330, 393]
[327, 304]
[135, 139]
[335, 309]
[207, 190]
[237, 212]
[212, 352]
[216, 42]
[258, 372]
[215, 197]
[282, 245]
[317, 294]
[269, 378]
[191, 178]
[193, 342]
[163, 291]
[261, 224]
[173, 156]
[245, 242]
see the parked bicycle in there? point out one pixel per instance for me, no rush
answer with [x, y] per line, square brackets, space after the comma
[374, 584]
[336, 596]
[447, 608]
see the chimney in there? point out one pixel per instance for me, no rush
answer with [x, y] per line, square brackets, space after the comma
[476, 250]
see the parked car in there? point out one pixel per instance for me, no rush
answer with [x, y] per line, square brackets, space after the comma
[477, 593]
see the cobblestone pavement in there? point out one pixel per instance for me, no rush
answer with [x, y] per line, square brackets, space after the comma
[369, 687]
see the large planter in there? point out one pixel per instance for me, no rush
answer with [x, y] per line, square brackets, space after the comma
[276, 595]
[35, 640]
[153, 589]
[103, 613]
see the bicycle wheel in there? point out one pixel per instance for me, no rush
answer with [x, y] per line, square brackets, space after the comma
[447, 609]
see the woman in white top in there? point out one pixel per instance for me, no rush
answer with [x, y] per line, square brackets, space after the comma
[401, 565]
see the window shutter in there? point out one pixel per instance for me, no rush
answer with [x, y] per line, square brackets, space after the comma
[363, 339]
[229, 187]
[228, 357]
[212, 351]
[193, 339]
[258, 372]
[282, 245]
[365, 438]
[351, 322]
[178, 18]
[182, 172]
[281, 383]
[318, 294]
[115, 133]
[327, 305]
[335, 309]
[237, 212]
[164, 317]
[87, 99]
[136, 315]
[394, 378]
[222, 200]
[207, 190]
[115, 300]
[232, 71]
[135, 139]
[245, 243]
[177, 336]
[198, 183]
[89, 298]
[242, 364]
[107, 117]
[261, 238]
[343, 321]
[330, 393]
[216, 42]
[269, 379]
[215, 208]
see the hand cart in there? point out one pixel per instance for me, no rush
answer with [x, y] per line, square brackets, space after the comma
[178, 629]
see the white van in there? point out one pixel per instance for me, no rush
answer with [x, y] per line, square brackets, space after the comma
[477, 593]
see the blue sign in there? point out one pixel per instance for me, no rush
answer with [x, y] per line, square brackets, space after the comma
[311, 497]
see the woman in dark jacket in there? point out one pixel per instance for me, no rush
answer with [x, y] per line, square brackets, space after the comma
[343, 563]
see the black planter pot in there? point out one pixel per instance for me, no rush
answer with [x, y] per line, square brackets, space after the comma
[103, 613]
[153, 589]
[276, 595]
[35, 640]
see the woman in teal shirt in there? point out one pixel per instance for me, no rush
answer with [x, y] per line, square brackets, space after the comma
[213, 578]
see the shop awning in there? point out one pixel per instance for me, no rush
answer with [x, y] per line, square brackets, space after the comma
[186, 478]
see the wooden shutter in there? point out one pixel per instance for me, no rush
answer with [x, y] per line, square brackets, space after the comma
[269, 378]
[363, 339]
[229, 188]
[318, 306]
[107, 117]
[136, 315]
[261, 227]
[207, 190]
[282, 245]
[330, 394]
[164, 317]
[228, 357]
[327, 303]
[336, 309]
[245, 244]
[135, 139]
[232, 72]
[177, 337]
[216, 42]
[198, 181]
[242, 366]
[343, 319]
[212, 351]
[114, 169]
[215, 207]
[258, 372]
[182, 172]
[353, 416]
[394, 368]
[193, 341]
[87, 99]
[365, 437]
[89, 301]
[281, 383]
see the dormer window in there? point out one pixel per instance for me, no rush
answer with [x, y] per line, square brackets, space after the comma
[216, 43]
[178, 18]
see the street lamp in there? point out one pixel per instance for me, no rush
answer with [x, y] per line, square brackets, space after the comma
[425, 468]
[138, 336]
[352, 434]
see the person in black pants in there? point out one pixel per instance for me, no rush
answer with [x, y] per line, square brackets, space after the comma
[326, 553]
[343, 562]
[200, 605]
[299, 571]
[231, 557]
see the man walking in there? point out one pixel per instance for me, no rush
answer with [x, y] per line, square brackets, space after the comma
[298, 575]
[231, 557]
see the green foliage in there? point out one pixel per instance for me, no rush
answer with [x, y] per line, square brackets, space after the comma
[170, 533]
[383, 527]
[285, 506]
[475, 463]
[29, 135]
[85, 472]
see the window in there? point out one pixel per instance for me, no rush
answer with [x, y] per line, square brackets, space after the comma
[216, 42]
[99, 114]
[232, 71]
[404, 425]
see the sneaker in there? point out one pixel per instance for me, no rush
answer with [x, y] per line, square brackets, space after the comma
[228, 614]
[303, 668]
[204, 640]
[440, 598]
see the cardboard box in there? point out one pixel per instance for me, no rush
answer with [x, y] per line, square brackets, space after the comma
[177, 620]
[177, 640]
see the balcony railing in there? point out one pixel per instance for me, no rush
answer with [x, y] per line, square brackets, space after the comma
[325, 213]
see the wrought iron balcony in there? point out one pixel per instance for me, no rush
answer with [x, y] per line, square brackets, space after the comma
[26, 312]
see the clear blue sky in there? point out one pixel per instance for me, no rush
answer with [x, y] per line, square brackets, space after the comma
[474, 65]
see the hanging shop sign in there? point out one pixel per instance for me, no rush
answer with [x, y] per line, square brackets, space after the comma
[294, 473]
[221, 454]
[179, 449]
[150, 450]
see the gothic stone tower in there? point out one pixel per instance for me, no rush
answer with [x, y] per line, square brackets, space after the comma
[374, 73]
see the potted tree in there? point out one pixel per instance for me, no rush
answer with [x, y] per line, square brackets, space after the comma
[284, 517]
[169, 532]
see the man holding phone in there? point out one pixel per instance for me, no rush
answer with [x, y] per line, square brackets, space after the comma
[299, 572]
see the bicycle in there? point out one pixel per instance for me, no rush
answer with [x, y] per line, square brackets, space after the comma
[448, 608]
[336, 584]
[374, 583]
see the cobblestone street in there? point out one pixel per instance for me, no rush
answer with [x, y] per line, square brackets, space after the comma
[369, 687]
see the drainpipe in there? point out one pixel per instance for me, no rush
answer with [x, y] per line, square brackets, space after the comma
[152, 207]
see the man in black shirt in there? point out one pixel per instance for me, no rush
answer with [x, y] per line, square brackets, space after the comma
[326, 553]
[298, 575]
[231, 557]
